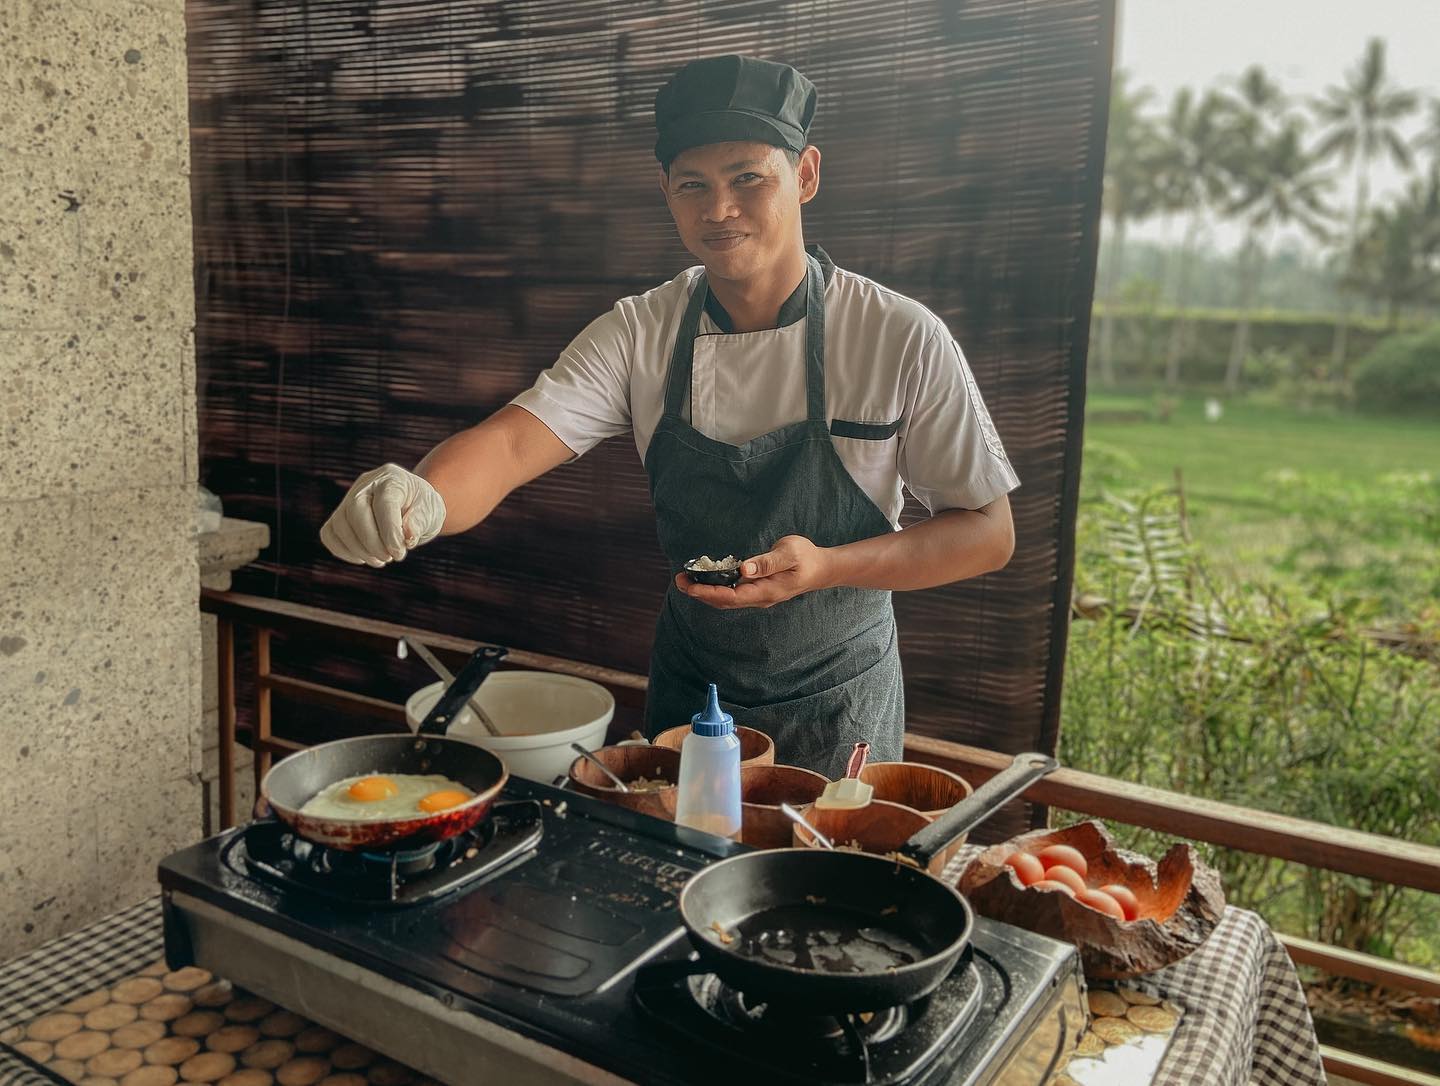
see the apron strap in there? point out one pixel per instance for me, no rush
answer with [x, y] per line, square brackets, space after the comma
[682, 355]
[814, 341]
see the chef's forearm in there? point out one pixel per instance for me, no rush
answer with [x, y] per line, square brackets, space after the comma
[950, 546]
[475, 469]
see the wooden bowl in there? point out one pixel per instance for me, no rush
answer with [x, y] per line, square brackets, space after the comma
[630, 763]
[762, 789]
[925, 788]
[756, 748]
[878, 827]
[1180, 901]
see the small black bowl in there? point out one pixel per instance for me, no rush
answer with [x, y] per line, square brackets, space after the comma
[713, 576]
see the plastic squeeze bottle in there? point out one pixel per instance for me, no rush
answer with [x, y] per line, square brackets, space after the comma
[709, 797]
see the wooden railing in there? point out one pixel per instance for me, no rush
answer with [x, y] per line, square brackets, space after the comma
[1364, 855]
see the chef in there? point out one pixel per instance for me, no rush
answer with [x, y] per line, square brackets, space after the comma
[779, 405]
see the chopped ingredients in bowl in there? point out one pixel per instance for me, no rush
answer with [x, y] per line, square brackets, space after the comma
[649, 784]
[706, 564]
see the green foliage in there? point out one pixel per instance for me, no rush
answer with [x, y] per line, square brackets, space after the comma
[1302, 322]
[1146, 551]
[1376, 544]
[1278, 379]
[1300, 343]
[1257, 696]
[1402, 375]
[1277, 370]
[1132, 149]
[1396, 260]
[1296, 283]
[1105, 467]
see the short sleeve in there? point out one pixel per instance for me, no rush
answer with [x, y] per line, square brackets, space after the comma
[950, 454]
[585, 396]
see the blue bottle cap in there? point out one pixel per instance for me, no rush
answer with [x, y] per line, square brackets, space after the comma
[714, 720]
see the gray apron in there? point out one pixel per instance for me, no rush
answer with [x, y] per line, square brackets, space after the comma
[817, 673]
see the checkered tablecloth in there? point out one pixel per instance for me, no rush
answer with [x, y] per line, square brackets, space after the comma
[109, 950]
[1245, 1021]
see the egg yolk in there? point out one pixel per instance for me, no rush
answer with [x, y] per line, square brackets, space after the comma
[371, 789]
[442, 800]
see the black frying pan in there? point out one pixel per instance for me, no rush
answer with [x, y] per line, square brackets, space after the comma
[292, 782]
[749, 914]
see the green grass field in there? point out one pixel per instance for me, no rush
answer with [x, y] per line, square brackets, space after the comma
[1264, 480]
[1227, 461]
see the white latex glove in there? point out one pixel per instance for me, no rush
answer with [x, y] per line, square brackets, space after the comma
[388, 512]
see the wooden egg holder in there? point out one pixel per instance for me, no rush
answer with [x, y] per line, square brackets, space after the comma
[1180, 898]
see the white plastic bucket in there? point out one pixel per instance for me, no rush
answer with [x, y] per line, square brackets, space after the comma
[540, 712]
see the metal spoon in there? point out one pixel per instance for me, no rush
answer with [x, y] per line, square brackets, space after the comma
[795, 816]
[601, 766]
[423, 651]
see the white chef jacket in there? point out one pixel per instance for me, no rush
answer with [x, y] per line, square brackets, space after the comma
[903, 407]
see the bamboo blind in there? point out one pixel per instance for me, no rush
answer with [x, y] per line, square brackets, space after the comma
[405, 209]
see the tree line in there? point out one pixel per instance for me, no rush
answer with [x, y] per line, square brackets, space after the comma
[1249, 153]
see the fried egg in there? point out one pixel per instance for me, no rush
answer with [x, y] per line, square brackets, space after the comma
[390, 795]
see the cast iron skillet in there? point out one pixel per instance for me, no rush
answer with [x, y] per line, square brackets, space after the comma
[293, 781]
[800, 896]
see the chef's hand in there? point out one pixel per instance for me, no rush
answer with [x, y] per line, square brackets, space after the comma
[388, 512]
[790, 568]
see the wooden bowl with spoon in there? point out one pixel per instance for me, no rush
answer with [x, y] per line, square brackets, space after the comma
[632, 764]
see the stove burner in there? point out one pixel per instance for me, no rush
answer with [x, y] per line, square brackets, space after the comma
[879, 1048]
[270, 851]
[408, 861]
[737, 1009]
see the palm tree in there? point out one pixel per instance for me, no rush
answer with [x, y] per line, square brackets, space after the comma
[1283, 187]
[1397, 258]
[1261, 95]
[1428, 139]
[1193, 180]
[1361, 115]
[1129, 193]
[1256, 114]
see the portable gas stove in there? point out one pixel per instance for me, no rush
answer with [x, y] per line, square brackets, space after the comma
[546, 946]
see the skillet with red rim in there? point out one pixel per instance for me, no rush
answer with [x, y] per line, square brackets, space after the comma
[292, 782]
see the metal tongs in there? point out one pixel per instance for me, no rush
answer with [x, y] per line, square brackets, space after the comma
[423, 651]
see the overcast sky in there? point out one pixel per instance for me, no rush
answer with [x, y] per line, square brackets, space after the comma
[1305, 45]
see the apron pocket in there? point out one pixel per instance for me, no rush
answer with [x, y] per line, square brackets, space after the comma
[818, 731]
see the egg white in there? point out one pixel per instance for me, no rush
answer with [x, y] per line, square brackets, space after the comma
[334, 800]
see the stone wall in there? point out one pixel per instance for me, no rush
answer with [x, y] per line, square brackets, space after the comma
[99, 629]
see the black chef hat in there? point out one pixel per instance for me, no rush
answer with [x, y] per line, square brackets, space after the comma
[719, 99]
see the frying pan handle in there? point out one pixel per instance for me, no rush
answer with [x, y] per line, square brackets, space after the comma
[449, 705]
[975, 808]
